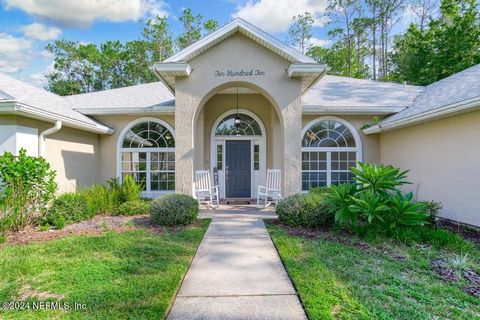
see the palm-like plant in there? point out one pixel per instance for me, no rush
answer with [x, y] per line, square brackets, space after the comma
[369, 206]
[340, 197]
[405, 213]
[379, 179]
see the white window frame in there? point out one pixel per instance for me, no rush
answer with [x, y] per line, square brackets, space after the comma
[328, 150]
[147, 193]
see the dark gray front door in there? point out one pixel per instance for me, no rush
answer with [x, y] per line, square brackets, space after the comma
[238, 169]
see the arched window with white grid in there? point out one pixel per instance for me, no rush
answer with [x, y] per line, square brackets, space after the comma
[330, 146]
[147, 153]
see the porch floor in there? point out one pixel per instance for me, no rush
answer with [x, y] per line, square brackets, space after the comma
[237, 273]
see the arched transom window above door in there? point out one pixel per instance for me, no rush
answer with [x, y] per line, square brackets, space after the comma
[147, 153]
[330, 147]
[247, 127]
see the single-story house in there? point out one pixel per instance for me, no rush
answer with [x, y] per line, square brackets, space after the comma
[240, 101]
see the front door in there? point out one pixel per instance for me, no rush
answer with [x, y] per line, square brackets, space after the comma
[238, 169]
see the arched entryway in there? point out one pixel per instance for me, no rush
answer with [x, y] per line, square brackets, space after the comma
[238, 157]
[238, 153]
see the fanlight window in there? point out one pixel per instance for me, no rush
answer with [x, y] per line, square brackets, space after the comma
[329, 150]
[148, 134]
[248, 126]
[148, 155]
[328, 133]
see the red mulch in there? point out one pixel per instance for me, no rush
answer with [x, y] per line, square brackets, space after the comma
[95, 226]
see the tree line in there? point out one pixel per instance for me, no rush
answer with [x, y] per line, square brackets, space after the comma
[87, 67]
[443, 39]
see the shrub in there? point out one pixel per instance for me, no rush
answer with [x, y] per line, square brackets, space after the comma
[379, 179]
[404, 212]
[340, 198]
[66, 209]
[129, 190]
[305, 210]
[28, 187]
[174, 209]
[433, 209]
[100, 199]
[132, 208]
[375, 203]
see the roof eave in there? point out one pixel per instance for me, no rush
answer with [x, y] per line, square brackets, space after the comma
[43, 115]
[168, 71]
[345, 110]
[164, 110]
[439, 113]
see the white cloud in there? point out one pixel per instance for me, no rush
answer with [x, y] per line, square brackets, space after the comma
[85, 12]
[320, 42]
[15, 53]
[38, 79]
[276, 15]
[40, 31]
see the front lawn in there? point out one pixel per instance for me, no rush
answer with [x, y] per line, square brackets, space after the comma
[342, 277]
[129, 275]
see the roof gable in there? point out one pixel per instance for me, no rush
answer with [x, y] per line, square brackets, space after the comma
[250, 31]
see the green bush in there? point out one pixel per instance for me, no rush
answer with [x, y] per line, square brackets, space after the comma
[128, 190]
[66, 209]
[375, 203]
[305, 210]
[132, 208]
[174, 209]
[379, 179]
[433, 209]
[27, 187]
[100, 199]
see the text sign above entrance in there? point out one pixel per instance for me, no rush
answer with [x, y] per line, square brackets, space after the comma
[239, 73]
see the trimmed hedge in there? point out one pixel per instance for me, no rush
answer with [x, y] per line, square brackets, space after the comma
[305, 210]
[174, 209]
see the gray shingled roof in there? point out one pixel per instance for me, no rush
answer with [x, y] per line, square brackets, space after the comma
[150, 97]
[43, 102]
[335, 92]
[457, 88]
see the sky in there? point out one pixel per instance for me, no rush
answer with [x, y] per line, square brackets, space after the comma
[26, 26]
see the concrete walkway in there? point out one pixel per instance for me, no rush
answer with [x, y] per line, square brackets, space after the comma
[237, 273]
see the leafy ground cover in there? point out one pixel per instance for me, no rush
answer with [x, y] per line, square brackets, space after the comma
[340, 276]
[132, 274]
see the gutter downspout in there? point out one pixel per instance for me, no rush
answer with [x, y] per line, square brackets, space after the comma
[43, 134]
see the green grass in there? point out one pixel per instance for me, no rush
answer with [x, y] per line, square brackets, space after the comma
[339, 280]
[131, 275]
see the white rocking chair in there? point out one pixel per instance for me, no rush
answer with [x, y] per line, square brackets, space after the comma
[272, 189]
[203, 189]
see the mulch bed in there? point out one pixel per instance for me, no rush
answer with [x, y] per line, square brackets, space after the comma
[471, 277]
[95, 226]
[470, 233]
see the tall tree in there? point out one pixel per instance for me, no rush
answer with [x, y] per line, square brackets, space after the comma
[300, 31]
[343, 13]
[194, 28]
[372, 6]
[450, 44]
[424, 10]
[160, 42]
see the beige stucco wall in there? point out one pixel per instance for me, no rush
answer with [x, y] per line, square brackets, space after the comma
[72, 153]
[442, 157]
[221, 103]
[370, 143]
[237, 53]
[108, 143]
